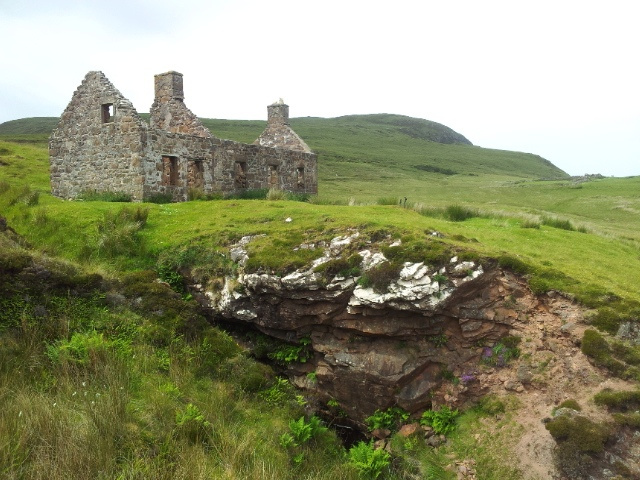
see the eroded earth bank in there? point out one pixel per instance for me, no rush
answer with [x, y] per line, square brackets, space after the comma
[373, 336]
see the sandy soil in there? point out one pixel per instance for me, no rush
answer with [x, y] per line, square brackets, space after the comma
[554, 370]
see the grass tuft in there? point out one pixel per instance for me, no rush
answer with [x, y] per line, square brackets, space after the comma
[558, 223]
[459, 213]
[95, 196]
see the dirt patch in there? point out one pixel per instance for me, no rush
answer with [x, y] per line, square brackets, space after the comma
[550, 370]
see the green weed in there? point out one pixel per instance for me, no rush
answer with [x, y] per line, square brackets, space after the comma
[581, 433]
[87, 349]
[275, 194]
[118, 232]
[301, 431]
[597, 348]
[251, 194]
[391, 419]
[159, 198]
[502, 352]
[514, 264]
[344, 267]
[443, 420]
[286, 354]
[558, 223]
[578, 438]
[570, 403]
[368, 461]
[439, 340]
[192, 424]
[387, 201]
[24, 195]
[490, 405]
[529, 223]
[620, 401]
[278, 394]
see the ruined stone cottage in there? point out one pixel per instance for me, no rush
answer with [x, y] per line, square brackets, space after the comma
[102, 144]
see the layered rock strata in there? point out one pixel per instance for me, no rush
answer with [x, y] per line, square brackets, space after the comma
[371, 349]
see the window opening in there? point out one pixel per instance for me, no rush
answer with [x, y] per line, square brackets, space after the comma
[196, 173]
[169, 171]
[273, 176]
[300, 177]
[108, 112]
[240, 175]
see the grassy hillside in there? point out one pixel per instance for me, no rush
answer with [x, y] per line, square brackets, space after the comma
[606, 209]
[352, 145]
[161, 416]
[359, 154]
[33, 125]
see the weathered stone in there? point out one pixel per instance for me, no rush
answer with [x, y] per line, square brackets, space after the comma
[381, 433]
[101, 144]
[408, 430]
[435, 441]
[278, 133]
[524, 374]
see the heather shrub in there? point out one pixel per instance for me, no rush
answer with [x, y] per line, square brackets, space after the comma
[578, 439]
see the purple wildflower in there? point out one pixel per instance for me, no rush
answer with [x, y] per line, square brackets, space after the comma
[467, 377]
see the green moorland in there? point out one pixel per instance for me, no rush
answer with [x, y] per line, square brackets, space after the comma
[120, 363]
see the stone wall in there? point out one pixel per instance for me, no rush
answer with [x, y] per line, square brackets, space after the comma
[102, 144]
[239, 166]
[172, 161]
[99, 143]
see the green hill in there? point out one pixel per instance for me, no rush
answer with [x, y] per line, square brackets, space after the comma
[370, 147]
[94, 351]
[31, 125]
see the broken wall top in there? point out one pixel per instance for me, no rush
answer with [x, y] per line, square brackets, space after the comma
[279, 133]
[169, 113]
[94, 103]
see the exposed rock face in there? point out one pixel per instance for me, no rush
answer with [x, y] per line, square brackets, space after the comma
[374, 349]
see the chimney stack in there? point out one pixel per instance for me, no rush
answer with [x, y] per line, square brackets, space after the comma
[168, 86]
[278, 113]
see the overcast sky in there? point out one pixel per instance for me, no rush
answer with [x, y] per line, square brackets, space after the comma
[559, 78]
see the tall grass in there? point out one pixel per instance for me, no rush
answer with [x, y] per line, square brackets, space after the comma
[91, 388]
[118, 231]
[95, 196]
[459, 213]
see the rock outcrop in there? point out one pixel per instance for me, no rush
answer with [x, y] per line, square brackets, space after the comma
[374, 349]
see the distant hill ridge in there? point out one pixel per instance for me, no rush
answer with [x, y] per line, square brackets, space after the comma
[413, 127]
[350, 145]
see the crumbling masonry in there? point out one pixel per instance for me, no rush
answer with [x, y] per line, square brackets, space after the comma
[102, 144]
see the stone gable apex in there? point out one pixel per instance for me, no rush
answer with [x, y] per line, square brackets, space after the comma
[94, 99]
[279, 133]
